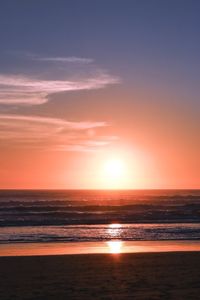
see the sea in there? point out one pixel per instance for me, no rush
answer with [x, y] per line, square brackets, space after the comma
[37, 216]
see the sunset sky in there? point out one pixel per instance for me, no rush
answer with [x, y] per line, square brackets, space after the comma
[99, 94]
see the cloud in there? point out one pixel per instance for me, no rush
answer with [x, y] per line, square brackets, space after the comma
[45, 133]
[35, 78]
[70, 59]
[29, 90]
[62, 59]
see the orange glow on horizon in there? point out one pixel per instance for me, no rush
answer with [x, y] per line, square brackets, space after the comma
[147, 156]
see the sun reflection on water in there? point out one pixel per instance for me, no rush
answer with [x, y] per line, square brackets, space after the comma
[115, 225]
[114, 246]
[114, 230]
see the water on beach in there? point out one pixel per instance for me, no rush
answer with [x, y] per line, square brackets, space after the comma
[84, 216]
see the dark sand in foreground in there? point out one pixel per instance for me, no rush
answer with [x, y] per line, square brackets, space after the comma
[101, 276]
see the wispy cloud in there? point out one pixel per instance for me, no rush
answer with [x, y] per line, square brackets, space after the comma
[46, 133]
[70, 59]
[67, 59]
[21, 89]
[44, 76]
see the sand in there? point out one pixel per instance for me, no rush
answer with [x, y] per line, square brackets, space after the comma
[135, 276]
[100, 247]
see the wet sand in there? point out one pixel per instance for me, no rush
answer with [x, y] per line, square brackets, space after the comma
[150, 276]
[112, 246]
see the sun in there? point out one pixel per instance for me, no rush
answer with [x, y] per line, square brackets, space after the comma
[114, 168]
[114, 173]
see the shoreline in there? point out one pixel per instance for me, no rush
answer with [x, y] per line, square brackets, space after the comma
[109, 247]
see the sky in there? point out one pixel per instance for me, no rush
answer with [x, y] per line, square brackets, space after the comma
[99, 94]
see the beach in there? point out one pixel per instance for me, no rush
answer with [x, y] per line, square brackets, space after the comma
[138, 276]
[47, 251]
